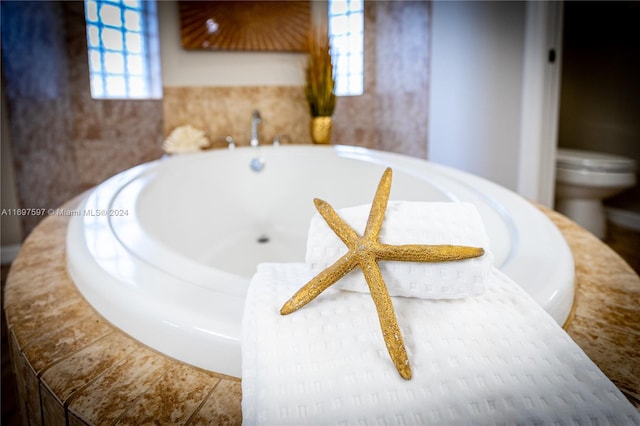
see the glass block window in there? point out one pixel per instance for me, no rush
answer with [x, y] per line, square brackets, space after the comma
[122, 39]
[346, 31]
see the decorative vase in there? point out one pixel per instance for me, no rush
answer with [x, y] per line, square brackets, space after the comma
[321, 130]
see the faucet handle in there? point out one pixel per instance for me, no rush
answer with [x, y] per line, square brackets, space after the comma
[277, 139]
[231, 143]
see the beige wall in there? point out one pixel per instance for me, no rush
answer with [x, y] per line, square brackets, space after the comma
[476, 87]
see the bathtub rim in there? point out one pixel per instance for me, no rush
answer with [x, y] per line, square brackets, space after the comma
[218, 349]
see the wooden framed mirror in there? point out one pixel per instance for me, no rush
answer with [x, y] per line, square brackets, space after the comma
[277, 26]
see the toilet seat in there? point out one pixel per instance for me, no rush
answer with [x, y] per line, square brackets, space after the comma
[597, 162]
[584, 179]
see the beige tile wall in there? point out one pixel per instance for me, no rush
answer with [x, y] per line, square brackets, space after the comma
[226, 111]
[62, 140]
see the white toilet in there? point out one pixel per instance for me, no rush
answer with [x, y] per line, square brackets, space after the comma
[584, 179]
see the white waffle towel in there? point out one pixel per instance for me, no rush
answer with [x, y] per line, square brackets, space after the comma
[493, 359]
[411, 222]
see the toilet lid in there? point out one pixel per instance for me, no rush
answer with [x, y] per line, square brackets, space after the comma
[594, 161]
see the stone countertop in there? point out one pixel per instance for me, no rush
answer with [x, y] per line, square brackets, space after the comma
[73, 367]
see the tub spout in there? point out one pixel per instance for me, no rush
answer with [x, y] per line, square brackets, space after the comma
[255, 120]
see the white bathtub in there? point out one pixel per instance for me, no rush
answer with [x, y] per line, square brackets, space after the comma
[165, 250]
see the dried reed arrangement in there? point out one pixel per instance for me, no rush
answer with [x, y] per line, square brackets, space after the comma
[320, 87]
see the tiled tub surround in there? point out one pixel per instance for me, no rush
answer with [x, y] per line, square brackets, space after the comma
[371, 118]
[72, 366]
[226, 111]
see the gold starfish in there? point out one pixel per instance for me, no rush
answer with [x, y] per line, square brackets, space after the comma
[365, 252]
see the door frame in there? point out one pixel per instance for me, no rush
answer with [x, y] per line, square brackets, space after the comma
[540, 101]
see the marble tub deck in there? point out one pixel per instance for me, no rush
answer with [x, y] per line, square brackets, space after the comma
[73, 367]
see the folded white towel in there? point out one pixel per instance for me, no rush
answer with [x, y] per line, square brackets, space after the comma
[408, 222]
[493, 359]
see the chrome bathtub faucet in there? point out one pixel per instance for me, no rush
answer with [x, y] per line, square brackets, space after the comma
[257, 163]
[255, 120]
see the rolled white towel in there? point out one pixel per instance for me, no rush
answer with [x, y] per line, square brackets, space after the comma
[411, 222]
